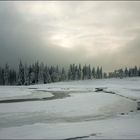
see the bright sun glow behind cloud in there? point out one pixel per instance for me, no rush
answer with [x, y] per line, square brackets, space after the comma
[71, 24]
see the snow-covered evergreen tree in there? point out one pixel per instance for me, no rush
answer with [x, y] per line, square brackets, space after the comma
[104, 75]
[70, 72]
[79, 72]
[26, 76]
[46, 75]
[139, 72]
[6, 74]
[126, 72]
[135, 71]
[36, 72]
[63, 75]
[41, 71]
[2, 82]
[93, 73]
[21, 79]
[88, 72]
[12, 77]
[98, 73]
[84, 72]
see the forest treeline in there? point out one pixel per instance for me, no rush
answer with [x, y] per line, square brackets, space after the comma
[40, 73]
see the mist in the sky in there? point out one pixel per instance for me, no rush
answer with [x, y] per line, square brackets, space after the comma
[63, 32]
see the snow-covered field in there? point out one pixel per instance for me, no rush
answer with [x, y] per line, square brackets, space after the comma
[71, 110]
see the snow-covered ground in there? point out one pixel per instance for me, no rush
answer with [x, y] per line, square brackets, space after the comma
[71, 110]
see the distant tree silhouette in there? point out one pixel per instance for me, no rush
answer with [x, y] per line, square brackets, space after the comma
[40, 73]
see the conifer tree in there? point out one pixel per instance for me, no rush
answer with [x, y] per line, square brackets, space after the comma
[21, 74]
[36, 71]
[79, 72]
[93, 73]
[126, 72]
[6, 74]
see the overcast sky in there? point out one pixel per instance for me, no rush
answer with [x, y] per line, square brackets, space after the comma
[63, 32]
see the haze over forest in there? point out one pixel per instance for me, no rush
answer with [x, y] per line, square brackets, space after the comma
[104, 33]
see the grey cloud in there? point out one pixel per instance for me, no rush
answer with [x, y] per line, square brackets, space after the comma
[90, 29]
[20, 39]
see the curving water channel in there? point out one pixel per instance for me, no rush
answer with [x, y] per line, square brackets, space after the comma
[33, 97]
[10, 119]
